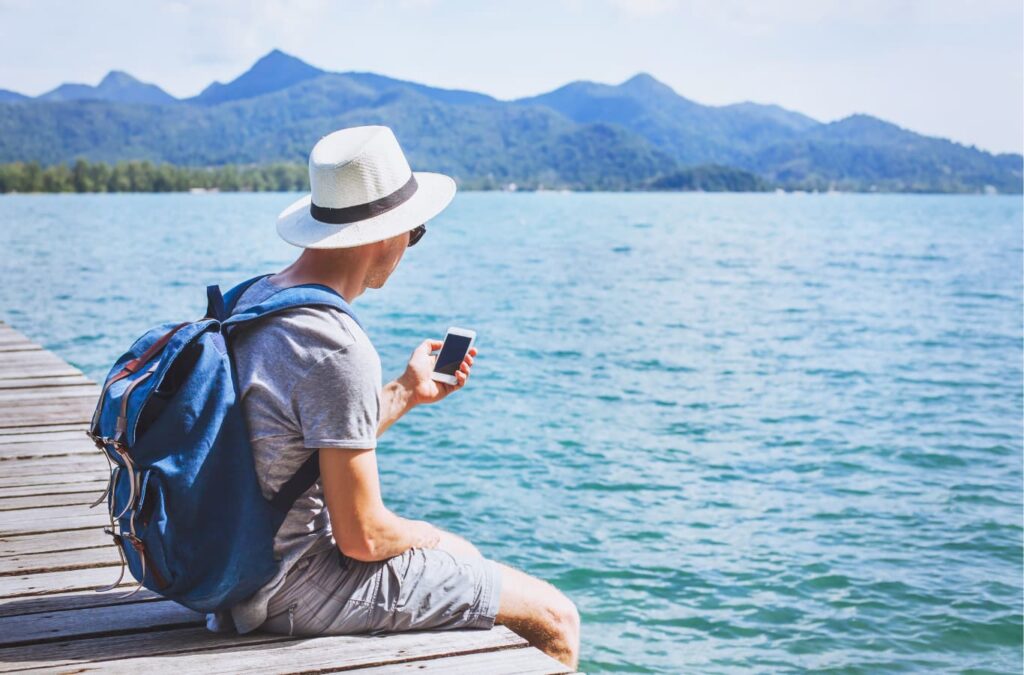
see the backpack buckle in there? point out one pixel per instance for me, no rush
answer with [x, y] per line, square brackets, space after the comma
[102, 441]
[97, 440]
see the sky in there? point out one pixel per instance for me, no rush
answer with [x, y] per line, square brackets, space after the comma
[945, 68]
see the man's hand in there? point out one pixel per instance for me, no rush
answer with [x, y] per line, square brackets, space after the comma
[417, 378]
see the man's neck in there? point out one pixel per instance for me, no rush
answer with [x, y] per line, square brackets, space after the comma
[335, 268]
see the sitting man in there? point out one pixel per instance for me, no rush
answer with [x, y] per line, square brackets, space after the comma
[311, 379]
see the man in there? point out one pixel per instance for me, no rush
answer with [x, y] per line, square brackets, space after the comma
[311, 379]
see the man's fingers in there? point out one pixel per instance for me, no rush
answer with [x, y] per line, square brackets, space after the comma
[429, 345]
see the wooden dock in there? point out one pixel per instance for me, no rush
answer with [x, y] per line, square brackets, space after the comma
[53, 554]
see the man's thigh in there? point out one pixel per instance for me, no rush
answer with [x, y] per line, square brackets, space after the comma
[421, 589]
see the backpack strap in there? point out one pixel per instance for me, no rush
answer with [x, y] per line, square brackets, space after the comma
[304, 295]
[215, 304]
[297, 485]
[230, 298]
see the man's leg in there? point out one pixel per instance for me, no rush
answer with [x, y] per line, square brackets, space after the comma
[456, 545]
[532, 608]
[540, 613]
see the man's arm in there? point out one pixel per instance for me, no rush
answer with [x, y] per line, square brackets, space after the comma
[364, 528]
[416, 387]
[396, 399]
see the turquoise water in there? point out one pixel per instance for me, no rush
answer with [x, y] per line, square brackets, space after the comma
[742, 432]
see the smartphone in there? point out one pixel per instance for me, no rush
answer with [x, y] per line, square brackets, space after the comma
[456, 345]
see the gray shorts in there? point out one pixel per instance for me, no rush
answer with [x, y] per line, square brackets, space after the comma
[328, 593]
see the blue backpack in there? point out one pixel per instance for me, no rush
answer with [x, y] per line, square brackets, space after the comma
[186, 510]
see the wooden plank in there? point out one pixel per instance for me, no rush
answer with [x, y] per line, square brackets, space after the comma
[18, 347]
[72, 466]
[502, 662]
[322, 654]
[14, 336]
[13, 485]
[12, 420]
[14, 360]
[37, 382]
[37, 370]
[69, 481]
[78, 623]
[47, 500]
[9, 334]
[30, 465]
[42, 419]
[20, 401]
[72, 432]
[86, 485]
[36, 486]
[52, 542]
[60, 582]
[82, 390]
[69, 411]
[30, 475]
[34, 364]
[70, 652]
[55, 561]
[58, 482]
[72, 600]
[10, 337]
[13, 344]
[72, 437]
[61, 518]
[54, 512]
[78, 446]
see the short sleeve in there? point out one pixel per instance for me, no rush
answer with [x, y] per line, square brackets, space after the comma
[337, 400]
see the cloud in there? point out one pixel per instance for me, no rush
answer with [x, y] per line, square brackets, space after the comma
[744, 15]
[232, 30]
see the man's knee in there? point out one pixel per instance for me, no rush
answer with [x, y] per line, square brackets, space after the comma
[563, 617]
[527, 601]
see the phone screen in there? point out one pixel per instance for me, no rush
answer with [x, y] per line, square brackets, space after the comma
[452, 352]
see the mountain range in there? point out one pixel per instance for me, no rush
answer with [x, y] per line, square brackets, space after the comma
[585, 135]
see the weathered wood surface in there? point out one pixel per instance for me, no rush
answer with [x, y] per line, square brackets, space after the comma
[53, 555]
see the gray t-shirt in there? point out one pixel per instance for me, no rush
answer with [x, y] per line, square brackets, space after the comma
[309, 378]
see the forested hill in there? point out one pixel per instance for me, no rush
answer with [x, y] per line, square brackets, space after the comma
[635, 135]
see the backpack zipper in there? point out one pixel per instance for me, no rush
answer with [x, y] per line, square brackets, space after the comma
[291, 618]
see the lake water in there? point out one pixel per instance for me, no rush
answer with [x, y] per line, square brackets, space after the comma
[742, 432]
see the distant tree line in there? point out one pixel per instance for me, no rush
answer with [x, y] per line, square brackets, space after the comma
[144, 176]
[83, 176]
[710, 178]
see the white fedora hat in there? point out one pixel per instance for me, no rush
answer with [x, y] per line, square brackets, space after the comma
[362, 191]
